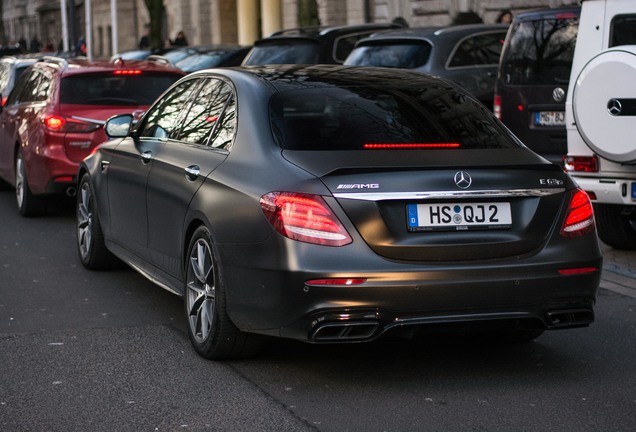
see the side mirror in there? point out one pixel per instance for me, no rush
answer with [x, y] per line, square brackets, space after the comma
[118, 126]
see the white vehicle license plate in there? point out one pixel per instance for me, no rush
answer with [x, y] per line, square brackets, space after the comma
[549, 118]
[456, 216]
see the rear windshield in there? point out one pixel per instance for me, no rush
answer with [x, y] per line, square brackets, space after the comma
[352, 118]
[540, 51]
[111, 89]
[202, 61]
[399, 55]
[283, 52]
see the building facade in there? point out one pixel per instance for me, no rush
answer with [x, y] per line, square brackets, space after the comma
[225, 21]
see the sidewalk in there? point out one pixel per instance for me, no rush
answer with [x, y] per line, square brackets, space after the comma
[619, 271]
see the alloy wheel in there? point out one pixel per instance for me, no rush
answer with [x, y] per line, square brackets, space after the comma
[201, 291]
[84, 220]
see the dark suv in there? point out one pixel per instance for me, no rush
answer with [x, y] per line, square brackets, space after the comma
[533, 78]
[53, 118]
[465, 54]
[311, 45]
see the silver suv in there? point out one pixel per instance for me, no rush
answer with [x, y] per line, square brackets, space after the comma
[601, 116]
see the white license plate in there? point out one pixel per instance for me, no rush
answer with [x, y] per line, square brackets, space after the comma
[549, 118]
[456, 216]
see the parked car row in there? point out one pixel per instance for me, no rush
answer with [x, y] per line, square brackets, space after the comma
[328, 199]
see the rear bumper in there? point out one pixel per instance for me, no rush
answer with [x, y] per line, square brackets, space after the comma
[51, 171]
[609, 190]
[408, 298]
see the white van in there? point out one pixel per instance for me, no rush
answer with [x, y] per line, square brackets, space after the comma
[600, 116]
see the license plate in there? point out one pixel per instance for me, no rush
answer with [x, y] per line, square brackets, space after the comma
[456, 216]
[549, 118]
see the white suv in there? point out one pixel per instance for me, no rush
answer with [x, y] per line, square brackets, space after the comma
[601, 116]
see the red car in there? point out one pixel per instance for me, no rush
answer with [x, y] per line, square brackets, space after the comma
[54, 117]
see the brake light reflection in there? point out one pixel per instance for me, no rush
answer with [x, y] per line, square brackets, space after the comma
[413, 146]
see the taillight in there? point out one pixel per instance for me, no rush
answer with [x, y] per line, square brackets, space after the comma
[58, 123]
[581, 163]
[580, 217]
[54, 123]
[304, 217]
[496, 108]
[4, 100]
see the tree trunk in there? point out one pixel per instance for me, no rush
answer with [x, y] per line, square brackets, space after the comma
[155, 9]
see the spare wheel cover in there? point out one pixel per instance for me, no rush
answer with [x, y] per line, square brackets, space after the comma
[604, 104]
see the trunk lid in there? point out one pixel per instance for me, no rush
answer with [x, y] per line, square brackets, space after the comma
[444, 205]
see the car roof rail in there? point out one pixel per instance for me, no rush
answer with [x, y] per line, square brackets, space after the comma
[61, 62]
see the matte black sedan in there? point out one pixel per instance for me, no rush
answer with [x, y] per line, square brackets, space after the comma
[338, 204]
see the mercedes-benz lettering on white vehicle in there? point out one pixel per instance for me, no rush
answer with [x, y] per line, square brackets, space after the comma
[601, 116]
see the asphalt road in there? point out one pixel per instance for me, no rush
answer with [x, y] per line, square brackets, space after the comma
[108, 351]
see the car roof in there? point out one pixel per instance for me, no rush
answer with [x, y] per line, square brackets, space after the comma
[291, 76]
[433, 33]
[80, 65]
[323, 32]
[547, 13]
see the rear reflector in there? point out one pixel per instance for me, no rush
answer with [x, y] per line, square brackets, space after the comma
[575, 271]
[304, 217]
[336, 281]
[580, 217]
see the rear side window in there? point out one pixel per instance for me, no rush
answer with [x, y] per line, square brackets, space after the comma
[115, 89]
[405, 55]
[478, 50]
[623, 30]
[540, 51]
[211, 118]
[366, 118]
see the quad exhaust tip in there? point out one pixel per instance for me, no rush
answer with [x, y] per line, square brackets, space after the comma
[570, 317]
[349, 331]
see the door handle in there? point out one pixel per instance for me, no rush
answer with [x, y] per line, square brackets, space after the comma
[146, 157]
[192, 172]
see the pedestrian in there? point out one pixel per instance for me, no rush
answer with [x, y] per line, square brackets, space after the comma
[180, 40]
[35, 45]
[505, 17]
[144, 42]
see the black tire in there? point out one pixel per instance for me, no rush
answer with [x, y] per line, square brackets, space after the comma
[28, 204]
[90, 239]
[4, 185]
[212, 333]
[616, 225]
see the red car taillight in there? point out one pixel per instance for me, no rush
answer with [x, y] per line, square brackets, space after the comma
[304, 217]
[580, 163]
[56, 123]
[496, 108]
[580, 217]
